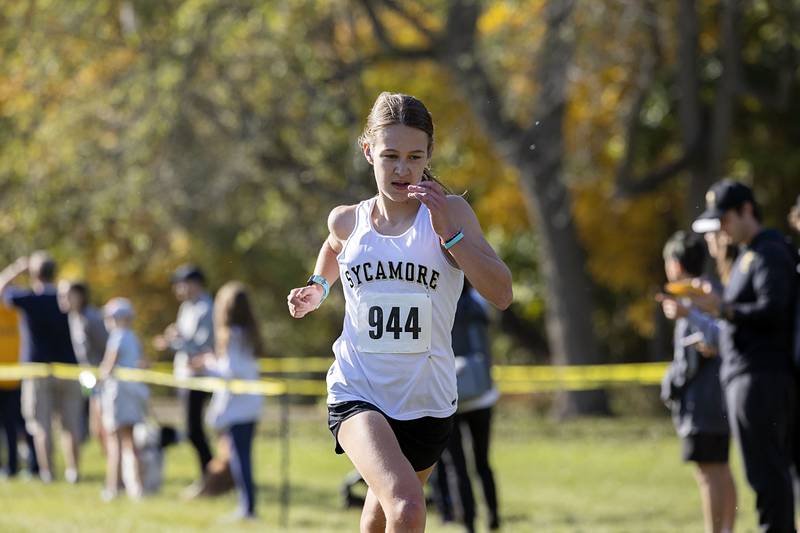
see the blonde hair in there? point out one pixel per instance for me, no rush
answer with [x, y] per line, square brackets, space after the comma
[390, 109]
[232, 308]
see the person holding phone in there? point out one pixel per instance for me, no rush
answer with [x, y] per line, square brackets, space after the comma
[692, 388]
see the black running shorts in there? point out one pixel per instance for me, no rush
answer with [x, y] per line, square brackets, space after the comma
[422, 440]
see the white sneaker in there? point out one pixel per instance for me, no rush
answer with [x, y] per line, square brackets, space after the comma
[108, 495]
[134, 493]
[71, 475]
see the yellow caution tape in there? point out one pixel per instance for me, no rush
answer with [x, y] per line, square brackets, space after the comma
[510, 379]
[646, 373]
[628, 372]
[278, 365]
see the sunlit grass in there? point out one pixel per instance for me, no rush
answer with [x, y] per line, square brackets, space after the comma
[586, 475]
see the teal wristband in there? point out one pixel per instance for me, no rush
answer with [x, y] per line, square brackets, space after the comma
[321, 281]
[452, 241]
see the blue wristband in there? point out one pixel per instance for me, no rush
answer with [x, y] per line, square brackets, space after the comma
[452, 241]
[321, 281]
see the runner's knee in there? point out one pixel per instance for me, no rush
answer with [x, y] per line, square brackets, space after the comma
[373, 519]
[406, 512]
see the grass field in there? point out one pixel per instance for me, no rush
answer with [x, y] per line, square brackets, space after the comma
[620, 475]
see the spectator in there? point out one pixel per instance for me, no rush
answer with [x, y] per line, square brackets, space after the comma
[756, 311]
[476, 398]
[191, 336]
[10, 414]
[794, 222]
[89, 337]
[86, 326]
[48, 341]
[692, 389]
[235, 415]
[124, 402]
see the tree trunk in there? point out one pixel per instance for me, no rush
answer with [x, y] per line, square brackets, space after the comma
[709, 165]
[538, 154]
[689, 111]
[537, 151]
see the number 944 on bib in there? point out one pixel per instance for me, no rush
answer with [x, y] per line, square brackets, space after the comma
[394, 323]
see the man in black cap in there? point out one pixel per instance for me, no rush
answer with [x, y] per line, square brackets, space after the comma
[756, 309]
[191, 335]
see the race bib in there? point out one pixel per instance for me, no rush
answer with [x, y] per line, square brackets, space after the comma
[394, 323]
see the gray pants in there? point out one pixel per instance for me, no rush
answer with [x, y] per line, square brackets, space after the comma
[760, 411]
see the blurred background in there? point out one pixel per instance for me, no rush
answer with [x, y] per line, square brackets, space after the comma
[136, 135]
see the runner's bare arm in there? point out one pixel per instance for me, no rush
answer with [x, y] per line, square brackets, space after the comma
[449, 214]
[341, 221]
[483, 268]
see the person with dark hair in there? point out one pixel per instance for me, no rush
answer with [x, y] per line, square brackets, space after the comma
[235, 416]
[89, 336]
[86, 325]
[692, 388]
[402, 256]
[477, 395]
[47, 341]
[756, 312]
[192, 335]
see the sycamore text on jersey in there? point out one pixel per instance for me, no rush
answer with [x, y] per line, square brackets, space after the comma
[399, 270]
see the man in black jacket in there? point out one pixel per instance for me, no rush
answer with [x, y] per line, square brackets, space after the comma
[756, 309]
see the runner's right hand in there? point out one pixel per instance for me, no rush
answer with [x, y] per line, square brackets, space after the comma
[303, 300]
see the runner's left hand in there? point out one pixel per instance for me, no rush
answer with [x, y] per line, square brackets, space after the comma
[433, 196]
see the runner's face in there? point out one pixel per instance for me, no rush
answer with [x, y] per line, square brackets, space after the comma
[399, 155]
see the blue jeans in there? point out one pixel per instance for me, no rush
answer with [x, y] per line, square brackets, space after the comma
[241, 438]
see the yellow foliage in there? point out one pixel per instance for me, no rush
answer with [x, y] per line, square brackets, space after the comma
[500, 16]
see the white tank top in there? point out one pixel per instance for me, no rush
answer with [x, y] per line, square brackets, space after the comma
[400, 293]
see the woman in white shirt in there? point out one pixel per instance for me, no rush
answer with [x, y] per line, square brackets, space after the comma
[238, 344]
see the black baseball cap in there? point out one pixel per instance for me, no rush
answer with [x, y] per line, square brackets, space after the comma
[188, 273]
[722, 196]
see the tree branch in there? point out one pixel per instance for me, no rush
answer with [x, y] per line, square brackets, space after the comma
[417, 23]
[628, 187]
[378, 29]
[727, 86]
[457, 51]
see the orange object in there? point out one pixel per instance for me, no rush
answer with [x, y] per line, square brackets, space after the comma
[9, 342]
[683, 288]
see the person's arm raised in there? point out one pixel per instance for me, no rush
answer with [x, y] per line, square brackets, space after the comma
[9, 274]
[483, 268]
[341, 222]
